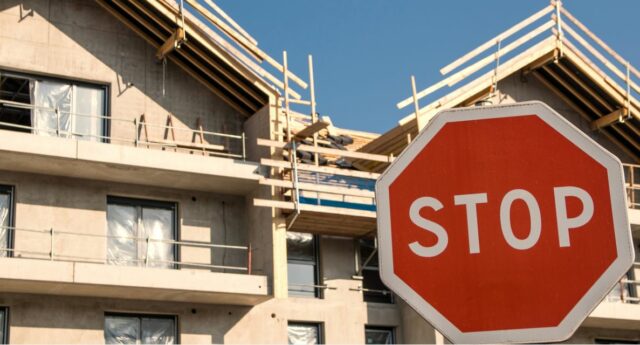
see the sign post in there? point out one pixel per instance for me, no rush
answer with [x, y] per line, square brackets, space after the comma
[503, 224]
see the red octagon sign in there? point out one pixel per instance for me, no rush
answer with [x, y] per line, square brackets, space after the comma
[503, 224]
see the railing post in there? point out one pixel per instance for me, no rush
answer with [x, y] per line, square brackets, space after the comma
[249, 258]
[135, 132]
[559, 35]
[146, 256]
[57, 111]
[51, 245]
[244, 147]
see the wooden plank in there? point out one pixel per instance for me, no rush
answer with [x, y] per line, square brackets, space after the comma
[320, 169]
[532, 54]
[600, 57]
[572, 91]
[607, 120]
[597, 39]
[311, 129]
[493, 41]
[171, 43]
[318, 188]
[324, 150]
[584, 86]
[468, 71]
[230, 20]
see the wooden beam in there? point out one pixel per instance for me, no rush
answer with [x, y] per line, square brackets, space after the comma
[173, 42]
[500, 37]
[607, 120]
[584, 115]
[320, 169]
[324, 150]
[233, 23]
[311, 129]
[572, 91]
[584, 86]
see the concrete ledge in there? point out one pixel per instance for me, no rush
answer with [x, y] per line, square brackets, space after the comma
[26, 152]
[97, 280]
[634, 216]
[615, 315]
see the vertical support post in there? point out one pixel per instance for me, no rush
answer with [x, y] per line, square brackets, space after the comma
[285, 72]
[249, 259]
[314, 115]
[627, 111]
[559, 34]
[494, 85]
[294, 163]
[146, 256]
[416, 106]
[136, 135]
[57, 111]
[51, 245]
[244, 147]
[631, 187]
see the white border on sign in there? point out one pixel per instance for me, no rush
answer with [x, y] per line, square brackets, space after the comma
[624, 244]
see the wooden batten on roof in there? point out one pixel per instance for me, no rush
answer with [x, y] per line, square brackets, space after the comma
[602, 92]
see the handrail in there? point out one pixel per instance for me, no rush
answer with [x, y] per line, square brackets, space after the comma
[136, 141]
[51, 255]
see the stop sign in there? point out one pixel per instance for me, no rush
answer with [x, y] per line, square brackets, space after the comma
[503, 224]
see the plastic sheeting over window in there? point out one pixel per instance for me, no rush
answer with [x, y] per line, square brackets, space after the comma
[129, 227]
[124, 329]
[66, 110]
[303, 334]
[5, 208]
[302, 264]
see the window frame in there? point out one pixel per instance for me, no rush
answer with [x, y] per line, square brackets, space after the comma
[10, 190]
[318, 325]
[317, 290]
[5, 325]
[106, 121]
[168, 205]
[360, 266]
[390, 329]
[174, 317]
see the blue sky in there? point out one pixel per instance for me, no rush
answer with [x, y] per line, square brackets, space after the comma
[365, 51]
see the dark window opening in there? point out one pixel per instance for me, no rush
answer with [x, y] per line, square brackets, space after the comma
[379, 335]
[4, 325]
[6, 221]
[304, 333]
[140, 329]
[142, 233]
[303, 265]
[53, 107]
[373, 289]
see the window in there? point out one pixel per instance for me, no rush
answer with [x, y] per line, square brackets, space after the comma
[141, 232]
[4, 325]
[53, 107]
[379, 335]
[6, 221]
[302, 264]
[140, 329]
[304, 333]
[373, 290]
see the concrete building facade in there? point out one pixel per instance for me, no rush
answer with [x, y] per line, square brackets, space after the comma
[133, 184]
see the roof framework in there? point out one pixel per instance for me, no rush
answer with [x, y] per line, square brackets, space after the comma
[555, 48]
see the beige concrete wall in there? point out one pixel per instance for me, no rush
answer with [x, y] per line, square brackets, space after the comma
[77, 39]
[76, 205]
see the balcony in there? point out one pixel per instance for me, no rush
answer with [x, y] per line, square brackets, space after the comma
[130, 151]
[621, 308]
[53, 261]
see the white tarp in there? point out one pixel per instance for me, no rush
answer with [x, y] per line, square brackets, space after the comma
[51, 115]
[302, 334]
[128, 229]
[4, 224]
[67, 110]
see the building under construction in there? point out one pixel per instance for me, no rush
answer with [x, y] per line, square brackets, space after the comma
[164, 180]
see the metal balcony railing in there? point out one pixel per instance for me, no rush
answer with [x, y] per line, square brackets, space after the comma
[33, 250]
[136, 126]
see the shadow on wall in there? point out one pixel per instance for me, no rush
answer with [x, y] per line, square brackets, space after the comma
[134, 70]
[204, 323]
